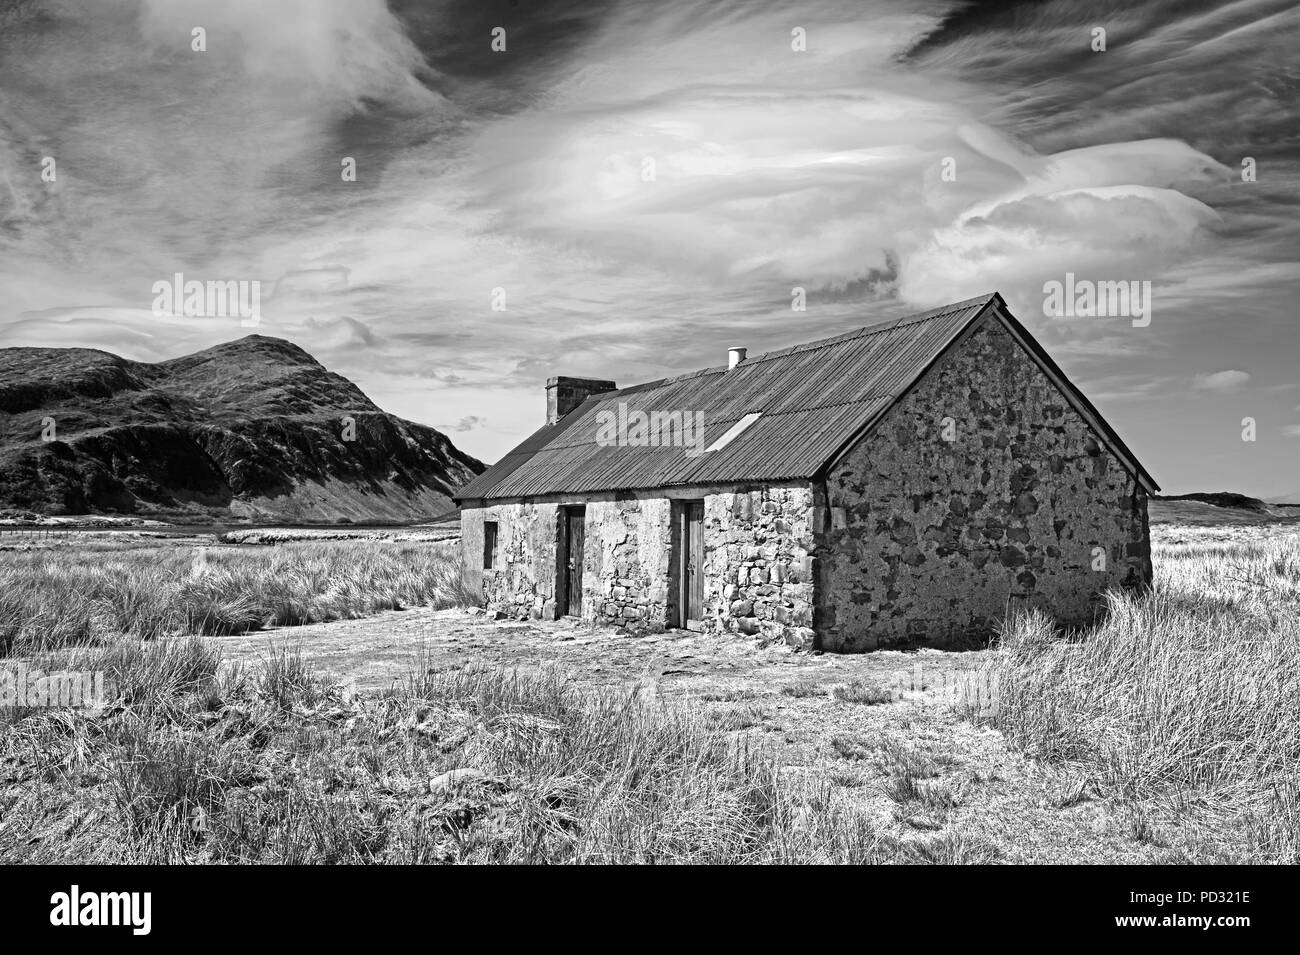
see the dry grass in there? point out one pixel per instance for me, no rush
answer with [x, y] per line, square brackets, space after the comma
[803, 688]
[212, 765]
[1185, 703]
[859, 691]
[1172, 728]
[51, 599]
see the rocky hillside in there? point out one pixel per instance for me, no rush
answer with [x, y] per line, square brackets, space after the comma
[251, 429]
[1218, 507]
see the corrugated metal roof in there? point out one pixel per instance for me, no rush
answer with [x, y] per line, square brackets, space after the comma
[813, 398]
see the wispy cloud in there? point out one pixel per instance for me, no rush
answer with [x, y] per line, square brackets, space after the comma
[640, 186]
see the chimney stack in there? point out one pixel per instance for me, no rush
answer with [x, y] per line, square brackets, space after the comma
[563, 394]
[735, 355]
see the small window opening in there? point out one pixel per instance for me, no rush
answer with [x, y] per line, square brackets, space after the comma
[489, 545]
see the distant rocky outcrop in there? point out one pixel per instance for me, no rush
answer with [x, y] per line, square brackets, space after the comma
[1222, 499]
[1218, 507]
[249, 430]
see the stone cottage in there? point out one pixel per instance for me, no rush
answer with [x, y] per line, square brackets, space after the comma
[903, 484]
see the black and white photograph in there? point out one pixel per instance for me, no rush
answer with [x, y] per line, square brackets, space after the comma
[650, 432]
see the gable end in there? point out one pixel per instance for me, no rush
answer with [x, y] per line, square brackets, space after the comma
[997, 311]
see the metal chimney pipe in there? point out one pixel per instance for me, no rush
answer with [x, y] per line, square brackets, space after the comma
[735, 355]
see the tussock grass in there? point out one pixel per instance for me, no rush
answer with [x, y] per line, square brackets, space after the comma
[953, 848]
[848, 747]
[730, 695]
[846, 778]
[906, 768]
[52, 599]
[804, 688]
[212, 764]
[1184, 698]
[859, 691]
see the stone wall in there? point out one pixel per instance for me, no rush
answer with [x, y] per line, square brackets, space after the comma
[760, 562]
[981, 491]
[625, 559]
[522, 584]
[626, 572]
[471, 547]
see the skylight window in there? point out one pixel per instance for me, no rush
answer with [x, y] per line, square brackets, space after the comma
[734, 431]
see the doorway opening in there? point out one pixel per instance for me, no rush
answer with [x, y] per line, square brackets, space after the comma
[568, 578]
[687, 568]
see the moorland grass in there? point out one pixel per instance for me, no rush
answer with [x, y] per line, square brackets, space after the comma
[1185, 698]
[1179, 710]
[63, 598]
[221, 765]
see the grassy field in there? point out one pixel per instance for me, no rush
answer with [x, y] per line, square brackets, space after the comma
[199, 764]
[1167, 734]
[65, 596]
[1185, 704]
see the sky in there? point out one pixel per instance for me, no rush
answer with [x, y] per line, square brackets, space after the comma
[638, 186]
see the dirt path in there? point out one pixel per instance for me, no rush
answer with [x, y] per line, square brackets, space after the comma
[376, 651]
[987, 802]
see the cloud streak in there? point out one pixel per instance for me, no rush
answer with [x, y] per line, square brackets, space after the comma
[645, 184]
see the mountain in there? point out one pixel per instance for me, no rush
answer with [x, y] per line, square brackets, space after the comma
[249, 430]
[1218, 507]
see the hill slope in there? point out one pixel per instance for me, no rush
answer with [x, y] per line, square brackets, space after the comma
[1219, 507]
[250, 429]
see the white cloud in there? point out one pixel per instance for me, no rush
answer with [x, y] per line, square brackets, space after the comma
[1228, 380]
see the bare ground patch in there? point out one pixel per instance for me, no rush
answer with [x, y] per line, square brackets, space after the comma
[975, 799]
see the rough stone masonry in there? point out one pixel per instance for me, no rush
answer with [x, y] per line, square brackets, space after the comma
[1013, 502]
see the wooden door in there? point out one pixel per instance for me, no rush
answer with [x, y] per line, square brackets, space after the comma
[575, 525]
[693, 549]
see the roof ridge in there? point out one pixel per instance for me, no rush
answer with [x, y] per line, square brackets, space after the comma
[862, 331]
[812, 404]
